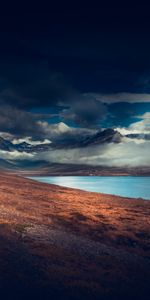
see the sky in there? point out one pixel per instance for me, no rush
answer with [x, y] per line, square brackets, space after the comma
[85, 68]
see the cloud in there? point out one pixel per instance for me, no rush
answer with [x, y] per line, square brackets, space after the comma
[121, 97]
[144, 116]
[29, 141]
[19, 122]
[15, 155]
[140, 127]
[18, 125]
[61, 132]
[127, 153]
[6, 135]
[27, 85]
[85, 111]
[54, 129]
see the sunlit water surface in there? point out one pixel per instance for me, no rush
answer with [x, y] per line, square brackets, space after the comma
[135, 187]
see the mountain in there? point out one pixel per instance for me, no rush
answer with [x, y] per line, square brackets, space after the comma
[101, 137]
[29, 148]
[6, 145]
[139, 136]
[42, 167]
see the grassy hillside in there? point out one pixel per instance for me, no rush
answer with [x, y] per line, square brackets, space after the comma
[59, 243]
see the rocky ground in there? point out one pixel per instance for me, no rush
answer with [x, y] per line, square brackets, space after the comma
[61, 243]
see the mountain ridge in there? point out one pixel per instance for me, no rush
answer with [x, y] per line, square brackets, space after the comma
[101, 137]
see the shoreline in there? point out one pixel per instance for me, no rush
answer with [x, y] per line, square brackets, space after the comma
[81, 189]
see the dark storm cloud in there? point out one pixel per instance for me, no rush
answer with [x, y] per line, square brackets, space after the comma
[19, 122]
[53, 58]
[29, 86]
[85, 111]
[32, 85]
[26, 86]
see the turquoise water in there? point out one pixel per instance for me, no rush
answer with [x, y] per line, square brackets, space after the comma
[135, 187]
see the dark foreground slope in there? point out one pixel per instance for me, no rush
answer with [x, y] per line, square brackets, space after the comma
[59, 243]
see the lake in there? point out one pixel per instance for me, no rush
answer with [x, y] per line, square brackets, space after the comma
[134, 187]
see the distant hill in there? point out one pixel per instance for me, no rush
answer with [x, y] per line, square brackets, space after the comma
[44, 168]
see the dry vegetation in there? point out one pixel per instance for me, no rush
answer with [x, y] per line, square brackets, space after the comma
[61, 243]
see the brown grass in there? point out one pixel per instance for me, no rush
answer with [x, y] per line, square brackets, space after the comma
[84, 245]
